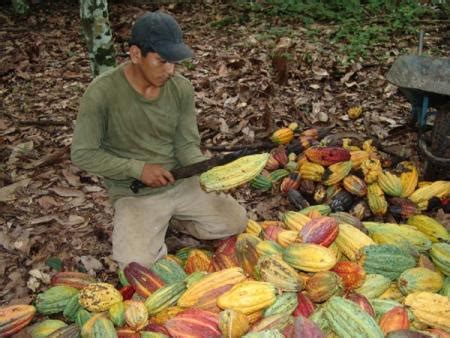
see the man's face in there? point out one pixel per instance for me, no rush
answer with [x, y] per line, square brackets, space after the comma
[155, 69]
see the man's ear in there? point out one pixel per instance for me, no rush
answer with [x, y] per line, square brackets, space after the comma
[135, 54]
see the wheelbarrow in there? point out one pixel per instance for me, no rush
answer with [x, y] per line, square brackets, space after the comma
[425, 82]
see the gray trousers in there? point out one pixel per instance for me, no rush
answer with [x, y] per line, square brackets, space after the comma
[140, 223]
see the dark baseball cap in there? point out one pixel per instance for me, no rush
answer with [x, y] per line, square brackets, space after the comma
[159, 32]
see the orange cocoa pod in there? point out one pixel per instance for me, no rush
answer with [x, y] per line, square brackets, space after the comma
[351, 273]
[314, 214]
[247, 256]
[323, 285]
[312, 132]
[395, 319]
[77, 280]
[265, 224]
[327, 155]
[127, 332]
[439, 333]
[254, 316]
[15, 317]
[290, 182]
[198, 260]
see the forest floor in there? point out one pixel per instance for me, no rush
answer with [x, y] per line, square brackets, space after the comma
[53, 214]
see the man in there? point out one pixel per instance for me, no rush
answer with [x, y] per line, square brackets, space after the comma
[138, 121]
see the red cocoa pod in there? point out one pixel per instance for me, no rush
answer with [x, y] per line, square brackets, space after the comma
[198, 323]
[153, 327]
[394, 320]
[321, 230]
[407, 334]
[127, 292]
[362, 302]
[304, 327]
[280, 155]
[271, 232]
[402, 207]
[352, 274]
[226, 246]
[221, 261]
[144, 281]
[289, 331]
[208, 301]
[272, 164]
[305, 306]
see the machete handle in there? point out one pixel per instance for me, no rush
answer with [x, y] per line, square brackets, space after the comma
[136, 185]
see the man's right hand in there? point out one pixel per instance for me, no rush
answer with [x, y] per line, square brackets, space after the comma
[154, 175]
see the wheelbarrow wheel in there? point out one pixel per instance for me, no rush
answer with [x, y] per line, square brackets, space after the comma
[440, 145]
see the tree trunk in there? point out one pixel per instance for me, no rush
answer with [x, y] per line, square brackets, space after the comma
[20, 7]
[96, 30]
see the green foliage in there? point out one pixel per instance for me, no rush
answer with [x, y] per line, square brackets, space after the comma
[20, 7]
[274, 33]
[189, 64]
[360, 24]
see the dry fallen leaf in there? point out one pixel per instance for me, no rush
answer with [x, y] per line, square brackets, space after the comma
[71, 178]
[46, 202]
[43, 219]
[7, 193]
[91, 263]
[67, 192]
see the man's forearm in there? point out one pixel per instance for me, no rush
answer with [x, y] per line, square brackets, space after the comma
[102, 163]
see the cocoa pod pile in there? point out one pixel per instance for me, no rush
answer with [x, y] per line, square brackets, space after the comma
[357, 256]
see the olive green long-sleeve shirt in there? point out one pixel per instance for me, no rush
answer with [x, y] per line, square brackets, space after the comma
[118, 130]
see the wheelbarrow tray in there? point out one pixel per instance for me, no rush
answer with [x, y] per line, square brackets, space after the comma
[421, 75]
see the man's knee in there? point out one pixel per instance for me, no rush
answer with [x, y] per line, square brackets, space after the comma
[147, 258]
[236, 219]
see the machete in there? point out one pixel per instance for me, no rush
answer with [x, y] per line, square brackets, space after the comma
[200, 167]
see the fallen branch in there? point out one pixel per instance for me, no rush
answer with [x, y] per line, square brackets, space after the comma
[238, 146]
[51, 158]
[41, 123]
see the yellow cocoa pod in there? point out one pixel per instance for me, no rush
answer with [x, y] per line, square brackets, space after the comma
[430, 308]
[248, 297]
[99, 297]
[309, 257]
